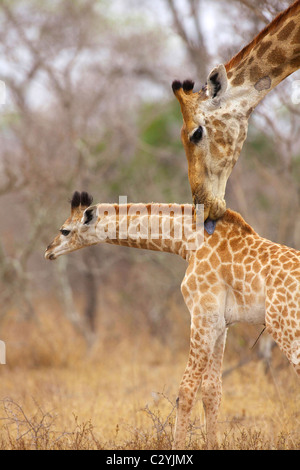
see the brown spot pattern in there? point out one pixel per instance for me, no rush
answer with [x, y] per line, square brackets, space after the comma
[286, 31]
[277, 56]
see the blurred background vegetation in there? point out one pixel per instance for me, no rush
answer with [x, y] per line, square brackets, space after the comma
[90, 107]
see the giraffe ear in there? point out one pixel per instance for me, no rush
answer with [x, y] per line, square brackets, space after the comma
[89, 215]
[217, 82]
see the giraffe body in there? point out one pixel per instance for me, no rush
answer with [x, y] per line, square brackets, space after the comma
[215, 120]
[234, 275]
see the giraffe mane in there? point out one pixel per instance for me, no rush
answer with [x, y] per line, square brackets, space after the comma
[235, 60]
[235, 218]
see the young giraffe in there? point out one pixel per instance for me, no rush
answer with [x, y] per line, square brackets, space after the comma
[234, 275]
[215, 120]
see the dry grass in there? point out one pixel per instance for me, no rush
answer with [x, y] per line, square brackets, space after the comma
[120, 394]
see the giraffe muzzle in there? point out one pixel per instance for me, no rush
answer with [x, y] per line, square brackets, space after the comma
[49, 255]
[214, 207]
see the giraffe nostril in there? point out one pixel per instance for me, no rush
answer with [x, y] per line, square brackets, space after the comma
[48, 254]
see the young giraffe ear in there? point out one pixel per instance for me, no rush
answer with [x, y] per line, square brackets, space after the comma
[89, 215]
[217, 82]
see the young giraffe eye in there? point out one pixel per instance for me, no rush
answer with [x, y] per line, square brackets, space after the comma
[65, 233]
[197, 136]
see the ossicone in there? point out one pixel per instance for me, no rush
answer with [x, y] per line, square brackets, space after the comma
[176, 85]
[187, 86]
[82, 199]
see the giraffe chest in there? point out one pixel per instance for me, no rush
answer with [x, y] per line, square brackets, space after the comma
[245, 305]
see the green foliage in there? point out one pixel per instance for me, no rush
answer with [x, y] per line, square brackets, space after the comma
[158, 122]
[296, 169]
[263, 201]
[153, 171]
[263, 147]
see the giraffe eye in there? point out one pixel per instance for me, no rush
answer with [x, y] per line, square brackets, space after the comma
[65, 233]
[197, 136]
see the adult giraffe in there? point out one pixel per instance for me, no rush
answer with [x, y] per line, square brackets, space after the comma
[215, 119]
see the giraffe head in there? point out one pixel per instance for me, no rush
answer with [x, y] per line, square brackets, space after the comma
[215, 123]
[74, 232]
[215, 120]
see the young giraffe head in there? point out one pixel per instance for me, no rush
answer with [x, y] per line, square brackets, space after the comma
[215, 119]
[71, 233]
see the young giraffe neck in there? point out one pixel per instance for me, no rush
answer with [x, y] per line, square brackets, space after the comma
[132, 225]
[272, 55]
[157, 227]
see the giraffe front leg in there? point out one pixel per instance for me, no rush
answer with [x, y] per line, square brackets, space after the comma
[186, 397]
[211, 389]
[278, 324]
[203, 347]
